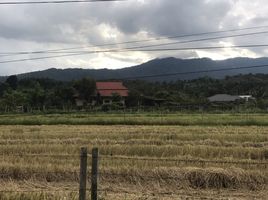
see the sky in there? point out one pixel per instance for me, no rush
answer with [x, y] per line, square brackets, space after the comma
[86, 26]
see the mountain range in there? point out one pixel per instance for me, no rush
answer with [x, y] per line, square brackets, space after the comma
[164, 69]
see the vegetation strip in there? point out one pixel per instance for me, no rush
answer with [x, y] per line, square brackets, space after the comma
[133, 119]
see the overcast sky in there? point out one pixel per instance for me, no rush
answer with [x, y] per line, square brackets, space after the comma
[45, 27]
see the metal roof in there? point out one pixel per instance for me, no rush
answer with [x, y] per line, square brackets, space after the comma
[223, 98]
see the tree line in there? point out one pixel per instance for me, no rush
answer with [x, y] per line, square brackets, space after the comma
[42, 93]
[46, 93]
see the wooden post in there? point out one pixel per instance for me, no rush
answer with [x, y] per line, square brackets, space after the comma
[83, 174]
[94, 174]
[124, 115]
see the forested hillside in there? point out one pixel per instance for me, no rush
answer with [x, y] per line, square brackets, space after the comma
[158, 68]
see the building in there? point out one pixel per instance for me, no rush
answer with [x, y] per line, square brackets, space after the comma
[229, 98]
[223, 98]
[108, 92]
[247, 97]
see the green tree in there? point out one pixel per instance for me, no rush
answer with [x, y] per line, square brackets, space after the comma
[86, 87]
[14, 98]
[3, 88]
[12, 81]
[36, 96]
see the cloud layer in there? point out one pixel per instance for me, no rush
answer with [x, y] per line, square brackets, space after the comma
[41, 27]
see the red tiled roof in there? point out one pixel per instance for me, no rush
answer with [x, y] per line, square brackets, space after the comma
[110, 86]
[107, 89]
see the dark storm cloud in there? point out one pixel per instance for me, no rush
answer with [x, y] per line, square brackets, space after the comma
[165, 17]
[66, 23]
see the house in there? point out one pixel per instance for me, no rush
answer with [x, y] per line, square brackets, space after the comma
[108, 92]
[229, 98]
[247, 97]
[223, 98]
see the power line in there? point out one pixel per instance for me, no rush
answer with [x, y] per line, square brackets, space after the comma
[137, 48]
[133, 41]
[53, 2]
[41, 190]
[171, 195]
[202, 39]
[39, 155]
[183, 160]
[177, 178]
[204, 48]
[194, 72]
[163, 49]
[132, 50]
[38, 173]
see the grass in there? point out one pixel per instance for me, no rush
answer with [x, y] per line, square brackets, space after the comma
[31, 158]
[136, 119]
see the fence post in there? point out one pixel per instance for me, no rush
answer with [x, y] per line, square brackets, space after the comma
[94, 174]
[83, 174]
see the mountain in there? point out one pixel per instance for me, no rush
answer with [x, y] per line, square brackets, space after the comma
[158, 67]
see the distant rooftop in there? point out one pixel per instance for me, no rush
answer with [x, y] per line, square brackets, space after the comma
[223, 98]
[107, 89]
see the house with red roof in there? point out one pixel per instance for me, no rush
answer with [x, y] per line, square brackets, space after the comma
[107, 92]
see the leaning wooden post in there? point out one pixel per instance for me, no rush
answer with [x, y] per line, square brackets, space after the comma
[83, 174]
[94, 174]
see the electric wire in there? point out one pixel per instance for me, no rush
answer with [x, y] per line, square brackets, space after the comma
[53, 2]
[134, 41]
[162, 49]
[136, 48]
[194, 72]
[153, 45]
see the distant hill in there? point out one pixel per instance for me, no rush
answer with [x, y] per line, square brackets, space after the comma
[157, 66]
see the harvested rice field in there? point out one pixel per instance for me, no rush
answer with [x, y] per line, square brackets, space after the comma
[136, 162]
